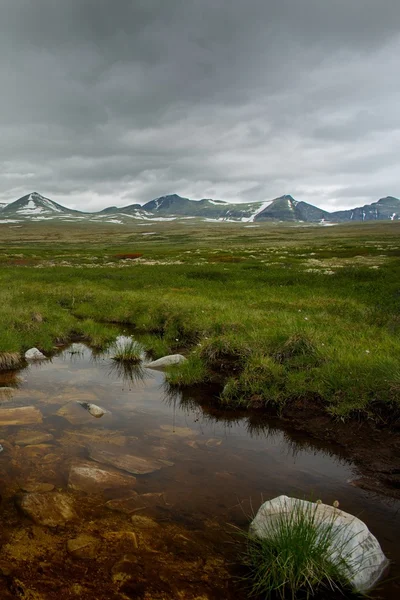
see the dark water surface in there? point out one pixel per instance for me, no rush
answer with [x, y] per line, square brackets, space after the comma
[166, 534]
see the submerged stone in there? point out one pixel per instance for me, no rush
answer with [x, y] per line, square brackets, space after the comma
[28, 438]
[74, 414]
[351, 538]
[84, 546]
[26, 415]
[116, 457]
[166, 361]
[136, 502]
[90, 478]
[35, 487]
[50, 509]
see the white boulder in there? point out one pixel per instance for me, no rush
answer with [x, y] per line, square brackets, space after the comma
[34, 354]
[166, 361]
[352, 539]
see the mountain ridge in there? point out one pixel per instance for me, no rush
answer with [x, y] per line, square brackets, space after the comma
[35, 207]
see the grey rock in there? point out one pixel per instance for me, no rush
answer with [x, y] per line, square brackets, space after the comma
[351, 538]
[166, 361]
[34, 354]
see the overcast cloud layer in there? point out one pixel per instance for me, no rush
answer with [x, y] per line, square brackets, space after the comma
[109, 103]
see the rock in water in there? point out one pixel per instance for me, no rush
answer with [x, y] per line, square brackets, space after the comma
[84, 546]
[117, 457]
[93, 409]
[34, 354]
[49, 509]
[352, 539]
[25, 415]
[91, 478]
[166, 361]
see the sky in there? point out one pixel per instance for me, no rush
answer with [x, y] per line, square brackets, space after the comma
[112, 103]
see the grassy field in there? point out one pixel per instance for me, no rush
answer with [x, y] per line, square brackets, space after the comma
[275, 314]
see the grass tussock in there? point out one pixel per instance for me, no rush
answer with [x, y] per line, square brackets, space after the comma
[10, 361]
[191, 372]
[298, 557]
[127, 350]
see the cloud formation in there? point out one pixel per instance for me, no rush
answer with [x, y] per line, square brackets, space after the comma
[109, 103]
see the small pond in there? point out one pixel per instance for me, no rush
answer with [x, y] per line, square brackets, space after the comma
[140, 503]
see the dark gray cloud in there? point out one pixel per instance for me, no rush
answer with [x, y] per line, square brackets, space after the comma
[117, 102]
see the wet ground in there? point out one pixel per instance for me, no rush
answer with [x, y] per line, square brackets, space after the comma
[140, 502]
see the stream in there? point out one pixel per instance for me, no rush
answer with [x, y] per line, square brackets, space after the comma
[144, 502]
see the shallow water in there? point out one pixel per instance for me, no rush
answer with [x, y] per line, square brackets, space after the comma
[206, 471]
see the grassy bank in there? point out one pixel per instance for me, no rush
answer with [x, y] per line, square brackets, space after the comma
[275, 314]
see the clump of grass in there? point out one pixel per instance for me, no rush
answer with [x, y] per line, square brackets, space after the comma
[298, 348]
[298, 555]
[189, 372]
[261, 382]
[127, 350]
[10, 361]
[155, 345]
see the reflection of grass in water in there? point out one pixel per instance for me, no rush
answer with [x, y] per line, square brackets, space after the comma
[129, 373]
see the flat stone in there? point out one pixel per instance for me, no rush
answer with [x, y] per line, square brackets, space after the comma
[34, 354]
[28, 438]
[38, 488]
[84, 546]
[51, 509]
[166, 361]
[26, 415]
[142, 522]
[116, 457]
[136, 502]
[74, 414]
[90, 478]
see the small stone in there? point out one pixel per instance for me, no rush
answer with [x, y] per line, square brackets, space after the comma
[50, 509]
[93, 409]
[34, 354]
[84, 546]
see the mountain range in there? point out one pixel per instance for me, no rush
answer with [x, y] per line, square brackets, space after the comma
[35, 207]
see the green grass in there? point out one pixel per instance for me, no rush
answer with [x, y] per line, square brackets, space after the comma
[190, 372]
[294, 560]
[306, 313]
[127, 351]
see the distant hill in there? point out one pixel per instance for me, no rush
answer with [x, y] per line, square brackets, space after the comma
[35, 207]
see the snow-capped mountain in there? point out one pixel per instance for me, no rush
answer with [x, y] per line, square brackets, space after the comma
[35, 207]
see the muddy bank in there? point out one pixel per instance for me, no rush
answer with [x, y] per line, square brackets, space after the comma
[374, 449]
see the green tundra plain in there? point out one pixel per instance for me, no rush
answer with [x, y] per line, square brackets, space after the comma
[271, 314]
